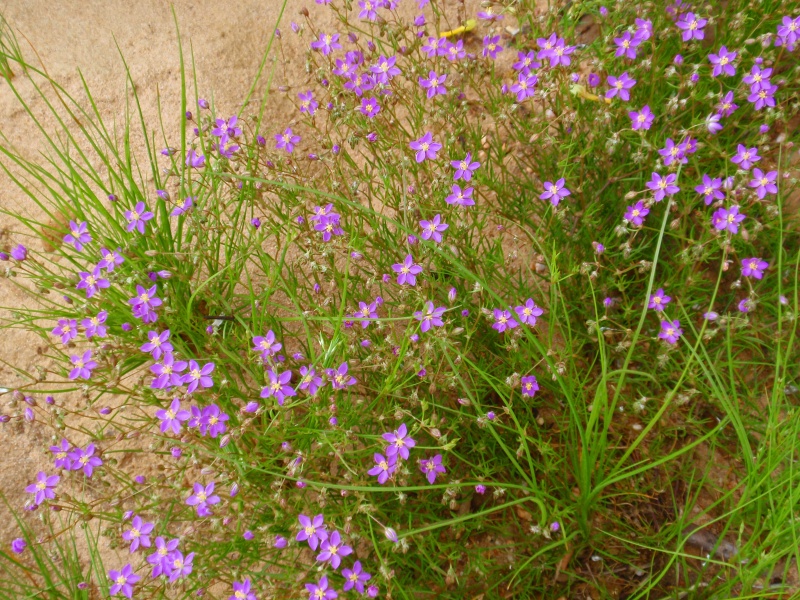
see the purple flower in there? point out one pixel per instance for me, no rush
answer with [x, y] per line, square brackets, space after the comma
[713, 123]
[370, 107]
[78, 235]
[763, 97]
[672, 152]
[95, 326]
[312, 530]
[180, 566]
[368, 11]
[82, 366]
[138, 217]
[223, 128]
[464, 168]
[430, 317]
[355, 577]
[266, 345]
[788, 32]
[460, 197]
[726, 106]
[433, 229]
[399, 442]
[160, 558]
[122, 581]
[727, 220]
[491, 46]
[754, 267]
[525, 86]
[340, 378]
[555, 191]
[425, 147]
[278, 386]
[503, 320]
[85, 460]
[197, 376]
[529, 386]
[333, 549]
[92, 282]
[384, 467]
[320, 590]
[241, 591]
[61, 455]
[286, 140]
[723, 62]
[658, 300]
[158, 343]
[434, 46]
[309, 380]
[329, 226]
[195, 160]
[326, 43]
[138, 534]
[172, 417]
[42, 489]
[670, 331]
[167, 372]
[434, 84]
[385, 69]
[407, 271]
[67, 329]
[432, 467]
[644, 29]
[692, 26]
[764, 183]
[111, 259]
[758, 78]
[642, 119]
[212, 421]
[663, 186]
[202, 498]
[307, 103]
[620, 86]
[19, 253]
[626, 45]
[635, 214]
[526, 61]
[710, 189]
[528, 312]
[745, 157]
[145, 298]
[18, 547]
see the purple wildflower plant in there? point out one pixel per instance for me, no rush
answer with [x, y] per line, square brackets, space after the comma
[529, 386]
[745, 157]
[355, 578]
[198, 376]
[384, 467]
[61, 457]
[722, 62]
[764, 183]
[212, 421]
[727, 219]
[312, 530]
[266, 345]
[464, 167]
[172, 417]
[66, 329]
[460, 197]
[528, 312]
[122, 581]
[636, 214]
[309, 380]
[503, 320]
[95, 326]
[286, 140]
[333, 549]
[754, 267]
[433, 229]
[692, 26]
[85, 460]
[399, 442]
[658, 300]
[340, 378]
[138, 534]
[92, 282]
[407, 271]
[278, 386]
[430, 316]
[320, 590]
[433, 84]
[203, 497]
[626, 45]
[425, 147]
[326, 43]
[670, 331]
[709, 189]
[78, 235]
[663, 186]
[157, 344]
[42, 488]
[555, 192]
[82, 365]
[432, 467]
[620, 86]
[642, 119]
[138, 217]
[242, 591]
[168, 372]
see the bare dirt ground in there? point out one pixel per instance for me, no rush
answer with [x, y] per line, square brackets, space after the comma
[228, 40]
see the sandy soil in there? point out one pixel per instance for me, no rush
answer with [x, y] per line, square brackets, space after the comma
[228, 40]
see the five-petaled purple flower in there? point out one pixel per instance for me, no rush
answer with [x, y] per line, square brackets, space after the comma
[399, 442]
[78, 235]
[384, 467]
[642, 119]
[92, 282]
[670, 331]
[172, 417]
[333, 549]
[754, 267]
[278, 386]
[663, 186]
[529, 386]
[503, 319]
[266, 345]
[459, 196]
[138, 534]
[764, 183]
[745, 157]
[525, 86]
[430, 317]
[202, 498]
[42, 489]
[491, 46]
[241, 591]
[61, 455]
[620, 86]
[320, 590]
[309, 380]
[286, 140]
[340, 378]
[528, 312]
[635, 214]
[84, 459]
[407, 271]
[727, 220]
[67, 329]
[198, 377]
[122, 581]
[433, 83]
[138, 217]
[425, 147]
[312, 530]
[433, 228]
[212, 421]
[555, 191]
[432, 467]
[658, 300]
[326, 43]
[82, 365]
[157, 344]
[355, 577]
[710, 189]
[692, 26]
[722, 62]
[464, 167]
[95, 326]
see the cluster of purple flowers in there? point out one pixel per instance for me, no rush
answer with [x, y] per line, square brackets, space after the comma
[527, 313]
[71, 458]
[326, 221]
